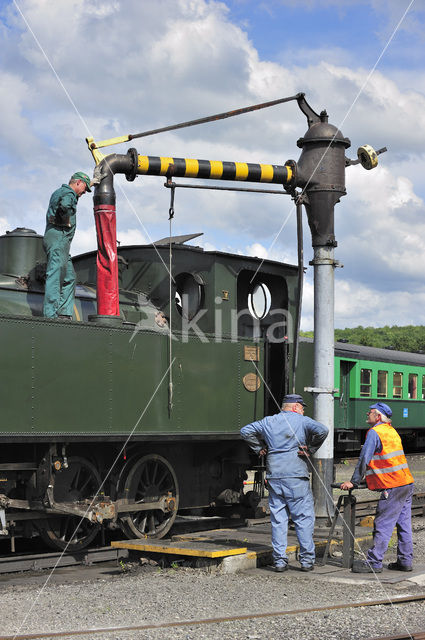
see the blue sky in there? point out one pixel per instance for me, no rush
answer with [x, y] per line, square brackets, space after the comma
[132, 65]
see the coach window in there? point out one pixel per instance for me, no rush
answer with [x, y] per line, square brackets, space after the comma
[413, 386]
[397, 384]
[366, 382]
[382, 384]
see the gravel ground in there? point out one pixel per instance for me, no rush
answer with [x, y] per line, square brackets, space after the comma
[147, 595]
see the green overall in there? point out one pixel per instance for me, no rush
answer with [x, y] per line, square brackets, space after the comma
[60, 274]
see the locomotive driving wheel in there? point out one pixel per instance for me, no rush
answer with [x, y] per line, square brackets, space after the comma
[80, 481]
[149, 479]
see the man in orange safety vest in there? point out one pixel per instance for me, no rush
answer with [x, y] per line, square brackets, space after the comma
[383, 463]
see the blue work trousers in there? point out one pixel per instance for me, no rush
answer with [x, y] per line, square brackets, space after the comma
[394, 509]
[291, 497]
[60, 275]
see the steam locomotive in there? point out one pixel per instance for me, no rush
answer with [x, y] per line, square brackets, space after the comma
[122, 424]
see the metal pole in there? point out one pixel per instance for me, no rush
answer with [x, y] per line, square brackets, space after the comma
[324, 377]
[321, 174]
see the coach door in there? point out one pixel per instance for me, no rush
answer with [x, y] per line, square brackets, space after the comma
[344, 389]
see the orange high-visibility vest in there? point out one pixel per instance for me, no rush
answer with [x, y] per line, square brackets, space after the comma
[388, 468]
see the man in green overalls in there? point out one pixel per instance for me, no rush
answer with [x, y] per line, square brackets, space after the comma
[60, 229]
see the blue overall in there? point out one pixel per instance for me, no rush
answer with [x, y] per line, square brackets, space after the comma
[60, 274]
[394, 510]
[288, 478]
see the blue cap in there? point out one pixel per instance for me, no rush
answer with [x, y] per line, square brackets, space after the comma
[292, 398]
[382, 408]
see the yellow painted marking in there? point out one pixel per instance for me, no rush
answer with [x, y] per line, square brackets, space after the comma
[143, 164]
[158, 548]
[192, 168]
[111, 141]
[165, 163]
[266, 172]
[216, 169]
[289, 173]
[77, 315]
[241, 170]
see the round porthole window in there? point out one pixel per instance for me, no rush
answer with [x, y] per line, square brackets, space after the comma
[259, 300]
[189, 294]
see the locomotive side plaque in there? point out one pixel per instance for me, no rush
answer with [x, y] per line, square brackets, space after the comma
[251, 382]
[251, 353]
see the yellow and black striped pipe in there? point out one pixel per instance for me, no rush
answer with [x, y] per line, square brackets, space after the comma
[214, 170]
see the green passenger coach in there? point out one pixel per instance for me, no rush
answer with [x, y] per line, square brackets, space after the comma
[364, 375]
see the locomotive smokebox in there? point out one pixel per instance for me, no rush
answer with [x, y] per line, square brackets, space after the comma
[321, 174]
[20, 252]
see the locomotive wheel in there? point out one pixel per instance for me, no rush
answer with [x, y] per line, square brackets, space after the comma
[147, 479]
[79, 482]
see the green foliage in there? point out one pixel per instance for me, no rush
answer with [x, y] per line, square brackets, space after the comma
[307, 334]
[410, 338]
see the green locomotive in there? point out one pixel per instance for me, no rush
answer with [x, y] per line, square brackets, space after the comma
[126, 422]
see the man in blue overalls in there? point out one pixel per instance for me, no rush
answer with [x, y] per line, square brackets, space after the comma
[60, 230]
[288, 438]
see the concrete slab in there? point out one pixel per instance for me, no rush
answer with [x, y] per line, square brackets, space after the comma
[197, 548]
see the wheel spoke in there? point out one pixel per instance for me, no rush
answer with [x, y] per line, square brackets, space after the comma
[162, 478]
[83, 487]
[154, 472]
[74, 482]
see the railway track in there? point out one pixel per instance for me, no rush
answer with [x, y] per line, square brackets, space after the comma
[13, 563]
[403, 636]
[205, 621]
[39, 561]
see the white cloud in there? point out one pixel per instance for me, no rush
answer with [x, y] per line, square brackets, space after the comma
[4, 226]
[138, 65]
[131, 236]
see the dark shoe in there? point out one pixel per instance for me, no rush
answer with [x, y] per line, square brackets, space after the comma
[365, 567]
[395, 566]
[281, 568]
[65, 317]
[307, 567]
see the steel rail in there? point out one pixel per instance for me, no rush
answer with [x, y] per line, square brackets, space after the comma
[420, 635]
[37, 562]
[202, 621]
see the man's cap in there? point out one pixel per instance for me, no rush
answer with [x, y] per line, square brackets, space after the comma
[294, 397]
[382, 408]
[82, 176]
